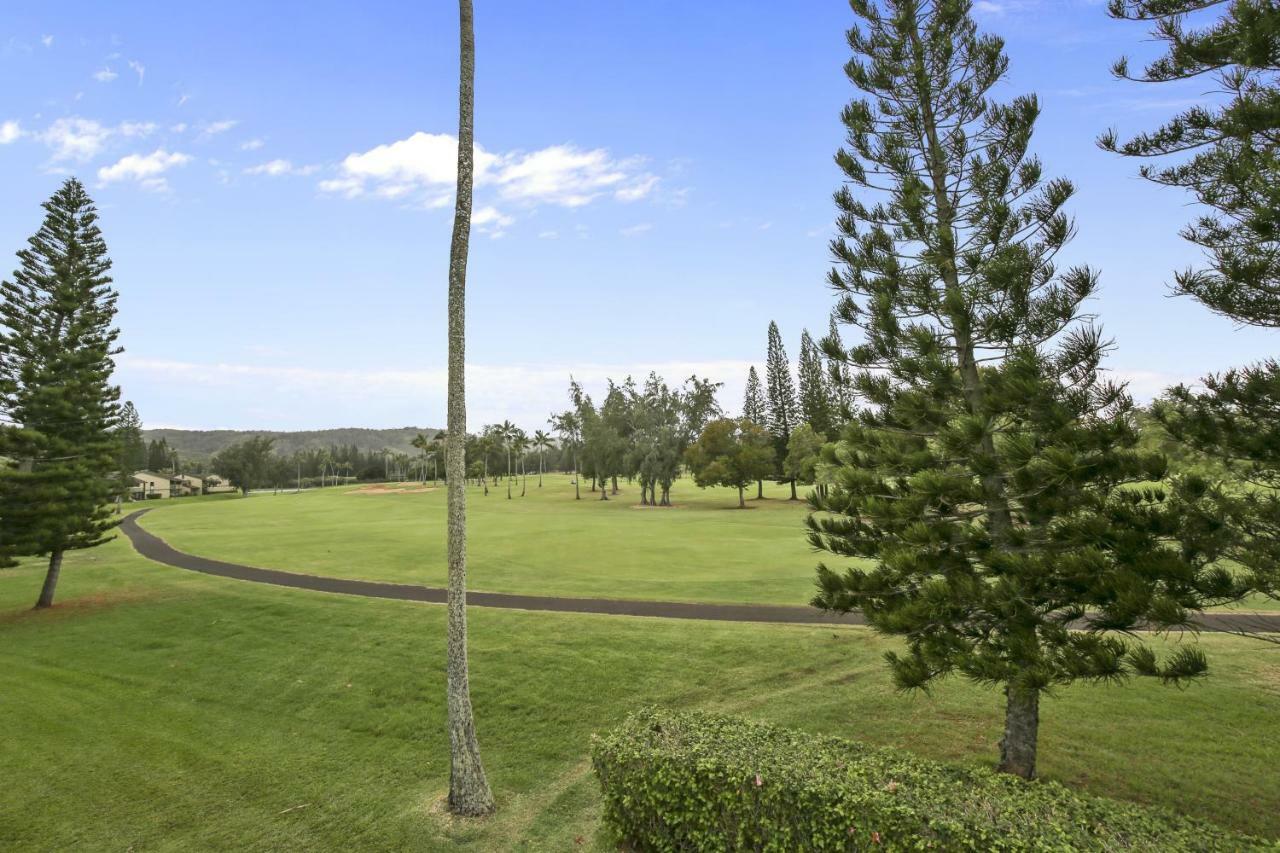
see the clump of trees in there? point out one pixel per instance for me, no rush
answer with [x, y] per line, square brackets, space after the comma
[1018, 535]
[63, 431]
[733, 453]
[638, 432]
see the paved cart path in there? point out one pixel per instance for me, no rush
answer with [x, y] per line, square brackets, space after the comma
[154, 548]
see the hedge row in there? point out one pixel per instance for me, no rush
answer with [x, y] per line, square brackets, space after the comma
[692, 781]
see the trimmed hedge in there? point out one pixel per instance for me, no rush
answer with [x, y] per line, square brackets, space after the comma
[693, 781]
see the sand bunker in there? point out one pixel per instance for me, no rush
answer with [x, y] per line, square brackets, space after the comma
[392, 489]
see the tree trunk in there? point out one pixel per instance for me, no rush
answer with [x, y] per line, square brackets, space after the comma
[577, 479]
[468, 789]
[1021, 732]
[742, 501]
[50, 580]
[759, 490]
[793, 490]
[615, 484]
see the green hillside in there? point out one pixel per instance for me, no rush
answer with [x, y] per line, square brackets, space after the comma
[203, 443]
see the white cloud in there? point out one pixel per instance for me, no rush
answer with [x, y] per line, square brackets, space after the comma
[560, 174]
[213, 128]
[251, 145]
[275, 168]
[10, 131]
[272, 167]
[491, 221]
[638, 189]
[635, 230]
[80, 139]
[139, 69]
[75, 138]
[106, 75]
[180, 127]
[47, 41]
[146, 169]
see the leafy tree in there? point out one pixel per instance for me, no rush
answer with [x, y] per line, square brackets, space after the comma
[803, 452]
[815, 396]
[247, 464]
[56, 348]
[731, 453]
[1226, 154]
[994, 479]
[469, 792]
[783, 410]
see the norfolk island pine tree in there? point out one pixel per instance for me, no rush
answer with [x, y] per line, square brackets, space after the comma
[56, 349]
[755, 409]
[993, 477]
[783, 410]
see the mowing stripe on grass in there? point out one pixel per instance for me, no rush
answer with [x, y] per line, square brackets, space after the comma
[154, 548]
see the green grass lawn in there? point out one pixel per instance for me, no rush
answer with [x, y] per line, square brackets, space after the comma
[156, 709]
[703, 549]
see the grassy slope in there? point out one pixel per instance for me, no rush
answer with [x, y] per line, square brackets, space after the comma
[544, 544]
[157, 709]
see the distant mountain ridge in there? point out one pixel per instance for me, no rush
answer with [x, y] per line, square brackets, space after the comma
[203, 443]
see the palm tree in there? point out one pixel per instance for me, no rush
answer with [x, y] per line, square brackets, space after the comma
[469, 792]
[421, 443]
[541, 442]
[438, 445]
[520, 446]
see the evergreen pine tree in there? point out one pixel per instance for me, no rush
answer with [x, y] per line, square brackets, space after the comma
[56, 348]
[783, 411]
[994, 480]
[839, 378]
[133, 449]
[815, 396]
[1226, 154]
[754, 407]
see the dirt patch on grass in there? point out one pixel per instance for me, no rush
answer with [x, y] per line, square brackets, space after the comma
[392, 489]
[82, 604]
[649, 506]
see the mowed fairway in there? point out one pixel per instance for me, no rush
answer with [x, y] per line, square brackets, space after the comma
[157, 709]
[703, 549]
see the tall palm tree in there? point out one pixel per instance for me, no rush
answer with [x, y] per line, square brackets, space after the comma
[541, 442]
[520, 446]
[421, 443]
[469, 792]
[438, 446]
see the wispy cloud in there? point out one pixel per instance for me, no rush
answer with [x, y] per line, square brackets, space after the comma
[251, 145]
[10, 131]
[47, 41]
[105, 75]
[276, 168]
[139, 69]
[636, 230]
[147, 169]
[80, 139]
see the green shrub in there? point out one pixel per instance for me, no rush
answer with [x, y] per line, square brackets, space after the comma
[692, 781]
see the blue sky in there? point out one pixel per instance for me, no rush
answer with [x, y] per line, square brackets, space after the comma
[274, 182]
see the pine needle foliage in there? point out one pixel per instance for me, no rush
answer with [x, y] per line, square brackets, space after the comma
[1017, 533]
[57, 343]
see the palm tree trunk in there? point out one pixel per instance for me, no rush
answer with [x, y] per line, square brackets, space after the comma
[469, 792]
[50, 580]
